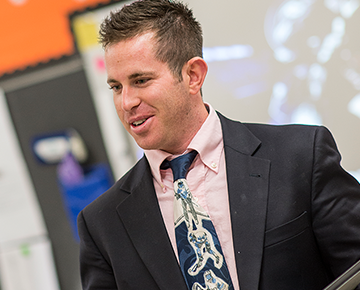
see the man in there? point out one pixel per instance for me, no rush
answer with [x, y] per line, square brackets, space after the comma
[286, 214]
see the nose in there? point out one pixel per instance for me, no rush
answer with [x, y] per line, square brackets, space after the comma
[129, 99]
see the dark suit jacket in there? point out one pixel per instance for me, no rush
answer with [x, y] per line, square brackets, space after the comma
[295, 216]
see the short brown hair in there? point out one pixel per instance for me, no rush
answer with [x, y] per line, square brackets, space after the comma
[177, 33]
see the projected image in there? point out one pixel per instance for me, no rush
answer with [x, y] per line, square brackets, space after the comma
[303, 67]
[317, 44]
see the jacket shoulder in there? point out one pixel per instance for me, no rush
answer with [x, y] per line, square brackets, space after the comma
[275, 129]
[275, 138]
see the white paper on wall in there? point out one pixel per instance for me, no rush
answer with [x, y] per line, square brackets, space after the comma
[26, 260]
[20, 214]
[28, 266]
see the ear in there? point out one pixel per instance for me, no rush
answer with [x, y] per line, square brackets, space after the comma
[196, 70]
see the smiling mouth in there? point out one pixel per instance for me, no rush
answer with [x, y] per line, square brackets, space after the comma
[138, 123]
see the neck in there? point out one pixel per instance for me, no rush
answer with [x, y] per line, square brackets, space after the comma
[197, 121]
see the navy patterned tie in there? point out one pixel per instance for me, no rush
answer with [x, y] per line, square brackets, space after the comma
[200, 255]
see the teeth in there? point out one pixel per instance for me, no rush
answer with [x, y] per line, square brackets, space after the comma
[137, 123]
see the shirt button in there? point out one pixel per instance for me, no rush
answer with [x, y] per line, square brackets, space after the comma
[163, 187]
[213, 165]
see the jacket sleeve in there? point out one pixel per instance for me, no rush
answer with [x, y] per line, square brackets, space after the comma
[335, 206]
[95, 272]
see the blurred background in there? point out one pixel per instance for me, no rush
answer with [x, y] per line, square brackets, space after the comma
[270, 61]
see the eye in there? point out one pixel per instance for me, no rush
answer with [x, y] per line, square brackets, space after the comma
[115, 88]
[141, 81]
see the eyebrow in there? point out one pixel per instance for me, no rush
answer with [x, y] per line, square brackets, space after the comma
[133, 76]
[109, 81]
[136, 75]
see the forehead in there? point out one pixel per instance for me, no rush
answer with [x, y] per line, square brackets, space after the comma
[141, 45]
[131, 56]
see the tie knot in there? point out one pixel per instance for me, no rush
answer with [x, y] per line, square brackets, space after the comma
[180, 165]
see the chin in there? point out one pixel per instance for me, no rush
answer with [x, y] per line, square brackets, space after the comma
[147, 146]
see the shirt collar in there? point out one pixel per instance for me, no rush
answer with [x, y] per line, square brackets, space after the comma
[208, 142]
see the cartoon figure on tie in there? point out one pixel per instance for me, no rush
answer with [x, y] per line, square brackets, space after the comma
[211, 282]
[204, 247]
[183, 193]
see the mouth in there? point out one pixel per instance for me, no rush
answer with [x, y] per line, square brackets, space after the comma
[139, 122]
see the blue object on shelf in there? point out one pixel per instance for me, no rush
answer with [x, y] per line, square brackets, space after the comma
[77, 195]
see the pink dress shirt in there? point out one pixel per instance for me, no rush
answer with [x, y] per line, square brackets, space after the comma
[207, 182]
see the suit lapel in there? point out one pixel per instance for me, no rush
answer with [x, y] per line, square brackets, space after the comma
[141, 216]
[248, 192]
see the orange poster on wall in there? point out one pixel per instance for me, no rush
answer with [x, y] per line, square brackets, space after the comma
[35, 31]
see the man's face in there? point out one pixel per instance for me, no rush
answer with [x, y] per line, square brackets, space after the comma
[153, 105]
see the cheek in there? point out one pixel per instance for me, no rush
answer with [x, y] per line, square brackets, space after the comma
[120, 114]
[118, 108]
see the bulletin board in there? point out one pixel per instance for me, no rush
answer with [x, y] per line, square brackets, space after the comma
[35, 31]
